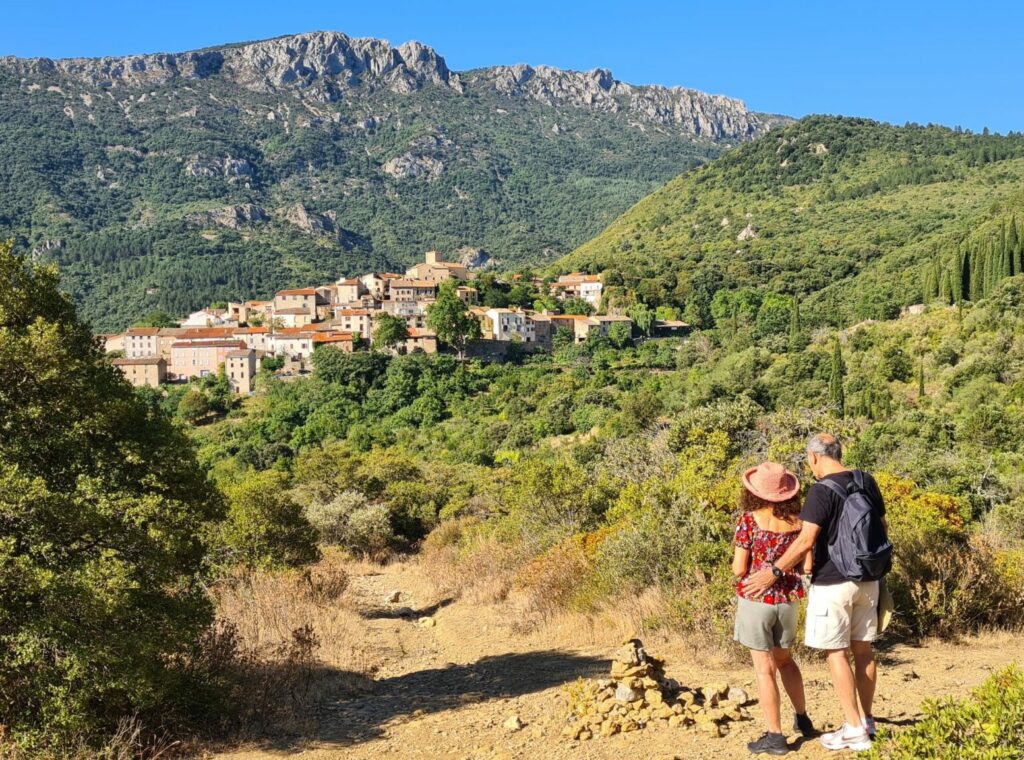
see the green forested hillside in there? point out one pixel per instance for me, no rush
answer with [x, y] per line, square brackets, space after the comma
[120, 170]
[853, 217]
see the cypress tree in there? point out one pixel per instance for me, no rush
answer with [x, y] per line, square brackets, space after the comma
[964, 263]
[977, 276]
[945, 288]
[920, 379]
[836, 395]
[1012, 246]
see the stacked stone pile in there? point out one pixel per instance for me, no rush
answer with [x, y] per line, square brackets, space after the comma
[638, 695]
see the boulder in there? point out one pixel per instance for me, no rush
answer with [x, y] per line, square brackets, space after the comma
[513, 723]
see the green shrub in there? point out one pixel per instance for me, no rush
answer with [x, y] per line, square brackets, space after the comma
[104, 513]
[265, 526]
[369, 531]
[987, 726]
[331, 518]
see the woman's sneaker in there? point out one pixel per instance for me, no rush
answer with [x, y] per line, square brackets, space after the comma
[869, 726]
[803, 724]
[769, 744]
[847, 737]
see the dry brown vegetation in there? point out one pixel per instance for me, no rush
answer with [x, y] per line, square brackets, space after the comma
[288, 639]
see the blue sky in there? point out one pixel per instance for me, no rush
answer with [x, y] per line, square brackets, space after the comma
[939, 61]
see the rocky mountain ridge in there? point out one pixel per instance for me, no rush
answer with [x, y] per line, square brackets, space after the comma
[330, 66]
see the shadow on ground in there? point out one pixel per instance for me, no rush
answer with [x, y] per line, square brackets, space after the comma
[349, 720]
[384, 613]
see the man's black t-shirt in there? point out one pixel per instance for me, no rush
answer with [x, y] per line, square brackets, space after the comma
[822, 507]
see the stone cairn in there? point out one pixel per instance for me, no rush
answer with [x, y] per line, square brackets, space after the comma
[638, 695]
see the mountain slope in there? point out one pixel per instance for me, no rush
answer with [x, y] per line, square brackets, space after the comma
[847, 214]
[166, 180]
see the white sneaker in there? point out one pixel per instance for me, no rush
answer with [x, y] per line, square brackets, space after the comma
[847, 737]
[869, 726]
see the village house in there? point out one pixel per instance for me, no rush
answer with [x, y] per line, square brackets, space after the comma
[204, 318]
[301, 300]
[577, 324]
[166, 338]
[141, 342]
[669, 328]
[291, 342]
[254, 337]
[509, 324]
[298, 316]
[112, 342]
[604, 322]
[199, 358]
[413, 312]
[421, 340]
[435, 269]
[150, 371]
[358, 321]
[378, 285]
[412, 290]
[542, 329]
[240, 366]
[467, 295]
[579, 285]
[344, 341]
[348, 292]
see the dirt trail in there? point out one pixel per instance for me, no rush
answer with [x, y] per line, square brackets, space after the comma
[445, 690]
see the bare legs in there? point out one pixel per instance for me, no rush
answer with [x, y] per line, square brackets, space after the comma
[866, 673]
[792, 680]
[765, 666]
[845, 686]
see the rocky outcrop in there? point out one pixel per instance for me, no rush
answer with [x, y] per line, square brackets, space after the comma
[228, 168]
[233, 217]
[409, 165]
[474, 258]
[327, 66]
[317, 225]
[691, 111]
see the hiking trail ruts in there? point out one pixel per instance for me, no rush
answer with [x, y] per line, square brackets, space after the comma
[444, 690]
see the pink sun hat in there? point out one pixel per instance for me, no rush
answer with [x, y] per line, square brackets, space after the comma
[771, 481]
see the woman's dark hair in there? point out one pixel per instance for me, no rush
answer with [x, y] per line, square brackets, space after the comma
[784, 510]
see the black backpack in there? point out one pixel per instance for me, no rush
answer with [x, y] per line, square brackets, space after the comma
[860, 550]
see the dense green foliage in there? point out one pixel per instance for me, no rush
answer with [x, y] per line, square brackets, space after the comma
[989, 725]
[600, 469]
[855, 218]
[103, 512]
[108, 180]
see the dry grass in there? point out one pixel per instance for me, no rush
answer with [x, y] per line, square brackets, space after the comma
[464, 563]
[292, 638]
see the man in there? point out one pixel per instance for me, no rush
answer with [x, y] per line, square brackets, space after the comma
[842, 614]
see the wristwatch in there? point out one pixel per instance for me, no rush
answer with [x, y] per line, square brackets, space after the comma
[777, 572]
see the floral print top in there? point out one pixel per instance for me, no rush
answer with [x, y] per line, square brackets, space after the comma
[765, 547]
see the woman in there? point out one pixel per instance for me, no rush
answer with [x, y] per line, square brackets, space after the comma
[767, 625]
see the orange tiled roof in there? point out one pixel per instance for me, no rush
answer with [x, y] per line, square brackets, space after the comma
[209, 344]
[251, 330]
[142, 331]
[414, 284]
[297, 292]
[200, 333]
[333, 337]
[140, 361]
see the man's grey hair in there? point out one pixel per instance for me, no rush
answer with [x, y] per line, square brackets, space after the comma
[826, 445]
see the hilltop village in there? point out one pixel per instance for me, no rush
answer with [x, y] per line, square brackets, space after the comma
[346, 314]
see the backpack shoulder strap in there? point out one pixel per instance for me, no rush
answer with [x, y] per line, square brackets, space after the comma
[858, 479]
[835, 488]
